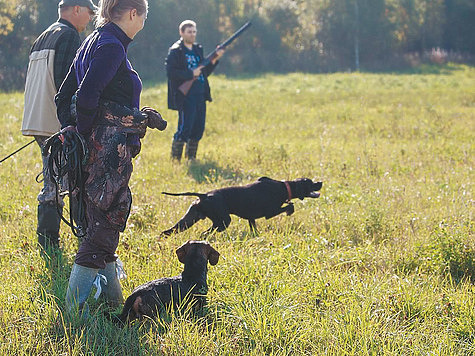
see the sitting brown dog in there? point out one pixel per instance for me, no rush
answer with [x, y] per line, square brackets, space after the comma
[152, 297]
[263, 198]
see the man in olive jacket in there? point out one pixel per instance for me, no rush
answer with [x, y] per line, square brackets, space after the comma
[182, 64]
[49, 62]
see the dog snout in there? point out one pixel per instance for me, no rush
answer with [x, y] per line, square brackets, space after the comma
[317, 186]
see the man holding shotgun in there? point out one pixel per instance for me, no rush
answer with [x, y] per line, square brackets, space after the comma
[184, 70]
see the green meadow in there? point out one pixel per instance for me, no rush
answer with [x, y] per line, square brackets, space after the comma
[383, 263]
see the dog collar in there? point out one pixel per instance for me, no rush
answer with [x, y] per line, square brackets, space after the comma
[289, 192]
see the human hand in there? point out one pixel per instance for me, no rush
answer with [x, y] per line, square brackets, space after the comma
[66, 129]
[155, 120]
[219, 53]
[197, 71]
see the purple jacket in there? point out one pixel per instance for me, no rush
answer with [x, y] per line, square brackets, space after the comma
[100, 72]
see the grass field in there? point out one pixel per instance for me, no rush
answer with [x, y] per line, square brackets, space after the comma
[382, 263]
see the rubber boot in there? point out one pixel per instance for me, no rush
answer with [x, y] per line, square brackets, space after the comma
[79, 288]
[191, 149]
[177, 149]
[48, 225]
[111, 290]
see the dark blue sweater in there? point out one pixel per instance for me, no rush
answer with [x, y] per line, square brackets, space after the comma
[100, 71]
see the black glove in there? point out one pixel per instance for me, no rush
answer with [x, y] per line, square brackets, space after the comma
[155, 120]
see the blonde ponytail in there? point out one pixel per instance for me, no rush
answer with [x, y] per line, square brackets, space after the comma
[112, 10]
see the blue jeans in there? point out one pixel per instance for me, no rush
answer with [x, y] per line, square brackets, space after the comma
[191, 119]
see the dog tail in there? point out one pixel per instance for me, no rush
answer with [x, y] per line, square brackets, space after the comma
[199, 195]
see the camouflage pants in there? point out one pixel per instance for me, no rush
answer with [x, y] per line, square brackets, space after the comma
[112, 144]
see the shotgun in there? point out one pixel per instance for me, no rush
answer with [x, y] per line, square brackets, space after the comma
[186, 86]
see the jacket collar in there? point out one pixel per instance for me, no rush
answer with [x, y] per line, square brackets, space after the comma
[181, 44]
[115, 30]
[67, 23]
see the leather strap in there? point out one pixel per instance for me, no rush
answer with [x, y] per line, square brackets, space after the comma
[289, 192]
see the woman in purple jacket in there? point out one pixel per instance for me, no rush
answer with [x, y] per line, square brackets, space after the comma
[105, 90]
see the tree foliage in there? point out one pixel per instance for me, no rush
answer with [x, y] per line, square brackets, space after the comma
[287, 35]
[7, 14]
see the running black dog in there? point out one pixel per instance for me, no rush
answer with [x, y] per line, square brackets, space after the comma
[152, 297]
[263, 198]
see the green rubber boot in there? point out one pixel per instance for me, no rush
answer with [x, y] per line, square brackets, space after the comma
[80, 285]
[191, 149]
[177, 149]
[111, 288]
[47, 229]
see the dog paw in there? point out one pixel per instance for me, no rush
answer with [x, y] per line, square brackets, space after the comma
[290, 209]
[165, 234]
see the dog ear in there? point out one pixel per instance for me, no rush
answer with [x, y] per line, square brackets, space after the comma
[213, 255]
[181, 251]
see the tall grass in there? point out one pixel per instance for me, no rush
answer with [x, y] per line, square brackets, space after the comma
[382, 263]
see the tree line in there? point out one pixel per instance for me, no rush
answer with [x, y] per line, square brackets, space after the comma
[286, 35]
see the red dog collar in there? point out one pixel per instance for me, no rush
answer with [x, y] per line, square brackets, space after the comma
[289, 192]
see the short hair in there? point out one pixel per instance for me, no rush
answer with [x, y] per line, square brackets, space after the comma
[63, 10]
[185, 24]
